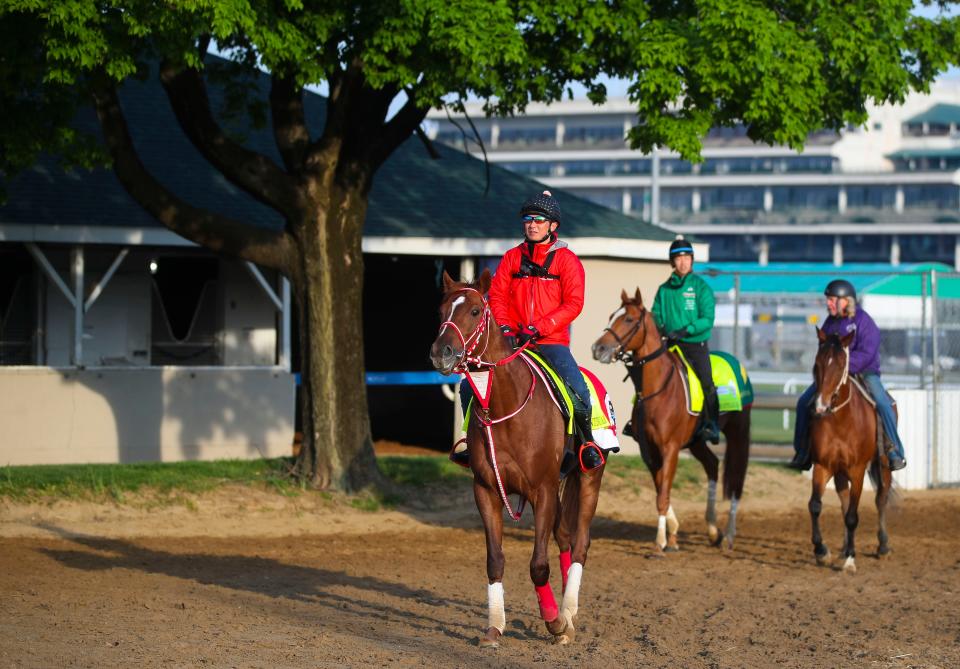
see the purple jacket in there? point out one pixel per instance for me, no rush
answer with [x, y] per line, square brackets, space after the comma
[865, 349]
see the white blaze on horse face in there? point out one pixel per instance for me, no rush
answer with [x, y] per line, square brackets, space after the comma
[453, 308]
[616, 314]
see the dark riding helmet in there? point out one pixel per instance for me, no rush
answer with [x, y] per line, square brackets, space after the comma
[680, 247]
[544, 204]
[840, 288]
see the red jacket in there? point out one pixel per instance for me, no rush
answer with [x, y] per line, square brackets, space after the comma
[548, 303]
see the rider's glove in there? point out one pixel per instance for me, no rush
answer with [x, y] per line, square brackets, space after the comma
[677, 335]
[529, 333]
[510, 335]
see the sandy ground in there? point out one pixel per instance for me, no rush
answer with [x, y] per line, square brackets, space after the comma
[246, 578]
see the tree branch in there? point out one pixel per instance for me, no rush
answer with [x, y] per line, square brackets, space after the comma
[289, 124]
[256, 174]
[213, 231]
[398, 129]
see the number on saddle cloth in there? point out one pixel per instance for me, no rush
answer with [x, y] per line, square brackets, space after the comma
[734, 388]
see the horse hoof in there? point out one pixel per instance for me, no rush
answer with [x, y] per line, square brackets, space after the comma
[562, 629]
[671, 548]
[849, 566]
[728, 545]
[491, 639]
[883, 552]
[824, 559]
[714, 535]
[556, 626]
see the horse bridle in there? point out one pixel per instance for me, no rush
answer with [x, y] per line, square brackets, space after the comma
[633, 364]
[843, 381]
[465, 358]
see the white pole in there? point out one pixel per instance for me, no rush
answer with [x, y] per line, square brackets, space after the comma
[76, 263]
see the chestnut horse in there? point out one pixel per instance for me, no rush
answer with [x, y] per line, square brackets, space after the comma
[663, 426]
[516, 445]
[843, 439]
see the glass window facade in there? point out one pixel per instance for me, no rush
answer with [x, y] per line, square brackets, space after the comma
[931, 196]
[611, 198]
[823, 198]
[871, 197]
[811, 248]
[733, 248]
[866, 248]
[927, 248]
[530, 137]
[587, 136]
[676, 199]
[750, 199]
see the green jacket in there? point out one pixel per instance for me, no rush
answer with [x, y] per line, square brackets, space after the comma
[685, 303]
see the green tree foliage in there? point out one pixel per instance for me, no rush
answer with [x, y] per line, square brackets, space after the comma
[782, 68]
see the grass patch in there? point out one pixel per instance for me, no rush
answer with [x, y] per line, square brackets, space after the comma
[420, 470]
[115, 482]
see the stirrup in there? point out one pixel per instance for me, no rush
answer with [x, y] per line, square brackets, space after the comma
[460, 457]
[802, 464]
[590, 457]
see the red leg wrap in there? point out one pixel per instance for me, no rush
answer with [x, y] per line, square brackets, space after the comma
[565, 562]
[548, 605]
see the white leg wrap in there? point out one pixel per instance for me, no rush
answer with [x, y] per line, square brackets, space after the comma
[571, 596]
[732, 520]
[661, 531]
[712, 502]
[496, 617]
[672, 523]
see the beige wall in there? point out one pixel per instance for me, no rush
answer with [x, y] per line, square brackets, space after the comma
[605, 280]
[157, 414]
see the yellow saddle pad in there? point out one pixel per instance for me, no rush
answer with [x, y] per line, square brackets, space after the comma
[734, 389]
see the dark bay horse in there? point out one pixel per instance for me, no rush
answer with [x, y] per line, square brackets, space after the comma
[663, 426]
[843, 439]
[516, 446]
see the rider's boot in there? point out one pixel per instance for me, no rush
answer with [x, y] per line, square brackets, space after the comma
[589, 455]
[895, 457]
[801, 460]
[710, 431]
[459, 454]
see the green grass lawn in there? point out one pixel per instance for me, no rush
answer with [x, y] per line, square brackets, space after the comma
[407, 477]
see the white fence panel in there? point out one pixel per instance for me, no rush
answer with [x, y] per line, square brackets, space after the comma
[948, 436]
[914, 427]
[933, 457]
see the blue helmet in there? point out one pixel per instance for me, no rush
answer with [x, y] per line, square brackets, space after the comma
[680, 247]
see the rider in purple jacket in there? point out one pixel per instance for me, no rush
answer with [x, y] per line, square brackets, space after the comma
[845, 317]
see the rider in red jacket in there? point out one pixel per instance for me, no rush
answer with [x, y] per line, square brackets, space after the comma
[535, 295]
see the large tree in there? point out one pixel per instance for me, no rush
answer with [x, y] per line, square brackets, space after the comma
[781, 68]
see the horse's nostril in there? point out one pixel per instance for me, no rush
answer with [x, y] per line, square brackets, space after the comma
[447, 351]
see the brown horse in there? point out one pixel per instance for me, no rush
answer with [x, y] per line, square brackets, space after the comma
[663, 426]
[843, 438]
[516, 444]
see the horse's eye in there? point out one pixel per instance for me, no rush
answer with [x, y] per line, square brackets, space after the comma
[628, 319]
[475, 311]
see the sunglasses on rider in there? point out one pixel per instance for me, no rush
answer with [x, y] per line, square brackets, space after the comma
[530, 218]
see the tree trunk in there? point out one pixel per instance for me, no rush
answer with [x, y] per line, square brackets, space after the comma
[337, 450]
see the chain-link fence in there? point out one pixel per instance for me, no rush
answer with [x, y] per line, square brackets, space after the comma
[767, 319]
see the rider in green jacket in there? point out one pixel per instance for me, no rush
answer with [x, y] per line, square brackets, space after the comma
[683, 310]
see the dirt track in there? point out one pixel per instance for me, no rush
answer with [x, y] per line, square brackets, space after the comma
[297, 584]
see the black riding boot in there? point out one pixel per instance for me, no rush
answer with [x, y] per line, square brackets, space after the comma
[710, 430]
[590, 455]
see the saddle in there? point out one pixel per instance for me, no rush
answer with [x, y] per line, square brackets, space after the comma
[734, 388]
[602, 419]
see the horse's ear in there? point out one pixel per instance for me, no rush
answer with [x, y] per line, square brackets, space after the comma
[847, 339]
[448, 282]
[483, 283]
[637, 297]
[624, 298]
[822, 337]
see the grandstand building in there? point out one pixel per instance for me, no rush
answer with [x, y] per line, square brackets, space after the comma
[886, 192]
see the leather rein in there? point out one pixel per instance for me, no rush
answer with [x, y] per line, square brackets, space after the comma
[634, 364]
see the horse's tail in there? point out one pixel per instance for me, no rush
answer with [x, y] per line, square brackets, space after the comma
[737, 453]
[876, 478]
